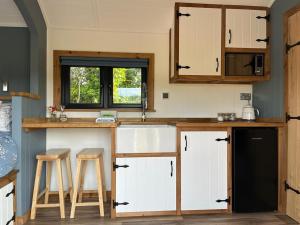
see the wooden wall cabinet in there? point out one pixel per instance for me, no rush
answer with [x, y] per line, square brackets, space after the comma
[202, 35]
[246, 28]
[204, 171]
[148, 185]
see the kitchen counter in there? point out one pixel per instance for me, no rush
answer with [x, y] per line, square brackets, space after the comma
[39, 123]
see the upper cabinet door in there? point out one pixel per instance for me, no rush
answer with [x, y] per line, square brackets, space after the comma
[244, 29]
[200, 41]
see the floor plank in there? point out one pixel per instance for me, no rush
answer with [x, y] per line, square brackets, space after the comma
[90, 216]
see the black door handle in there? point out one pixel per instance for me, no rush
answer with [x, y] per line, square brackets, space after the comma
[10, 193]
[172, 168]
[218, 64]
[11, 220]
[185, 147]
[230, 36]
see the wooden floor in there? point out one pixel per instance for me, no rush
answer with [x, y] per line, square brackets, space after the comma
[90, 216]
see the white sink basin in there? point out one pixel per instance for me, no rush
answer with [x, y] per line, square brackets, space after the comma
[146, 138]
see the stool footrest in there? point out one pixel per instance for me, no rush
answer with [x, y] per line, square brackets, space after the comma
[87, 204]
[47, 205]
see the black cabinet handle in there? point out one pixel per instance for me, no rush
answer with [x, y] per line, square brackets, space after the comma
[264, 40]
[218, 64]
[10, 193]
[230, 36]
[179, 67]
[11, 220]
[185, 147]
[172, 169]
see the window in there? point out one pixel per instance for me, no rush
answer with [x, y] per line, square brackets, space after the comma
[104, 82]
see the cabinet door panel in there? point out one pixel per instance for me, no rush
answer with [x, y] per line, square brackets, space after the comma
[200, 41]
[146, 184]
[243, 28]
[9, 202]
[203, 170]
[6, 204]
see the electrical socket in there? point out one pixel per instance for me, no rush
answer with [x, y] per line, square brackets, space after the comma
[245, 96]
[165, 95]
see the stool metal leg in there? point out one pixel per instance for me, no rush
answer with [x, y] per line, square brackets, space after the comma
[36, 188]
[48, 180]
[70, 178]
[61, 189]
[75, 193]
[100, 193]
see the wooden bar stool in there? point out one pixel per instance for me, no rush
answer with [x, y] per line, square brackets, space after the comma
[49, 157]
[95, 154]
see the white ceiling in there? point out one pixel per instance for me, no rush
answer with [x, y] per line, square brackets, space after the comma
[10, 15]
[150, 16]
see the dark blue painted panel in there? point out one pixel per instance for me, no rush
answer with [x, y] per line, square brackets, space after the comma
[29, 144]
[269, 96]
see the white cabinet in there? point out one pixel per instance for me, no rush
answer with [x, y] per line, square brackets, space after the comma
[200, 41]
[203, 170]
[243, 28]
[7, 205]
[146, 138]
[148, 184]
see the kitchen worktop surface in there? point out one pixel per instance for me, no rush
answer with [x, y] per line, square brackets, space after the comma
[36, 123]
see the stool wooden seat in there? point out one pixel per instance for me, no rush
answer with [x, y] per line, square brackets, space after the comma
[95, 154]
[49, 157]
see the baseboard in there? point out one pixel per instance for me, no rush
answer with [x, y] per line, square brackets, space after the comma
[20, 220]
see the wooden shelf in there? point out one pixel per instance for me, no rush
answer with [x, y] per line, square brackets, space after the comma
[20, 94]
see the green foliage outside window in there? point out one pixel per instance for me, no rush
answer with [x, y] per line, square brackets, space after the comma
[85, 85]
[129, 79]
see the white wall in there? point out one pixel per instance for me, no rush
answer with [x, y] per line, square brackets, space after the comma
[186, 100]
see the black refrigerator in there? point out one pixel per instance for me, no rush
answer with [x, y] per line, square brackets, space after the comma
[255, 169]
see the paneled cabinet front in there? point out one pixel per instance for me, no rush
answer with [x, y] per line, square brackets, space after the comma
[199, 41]
[7, 205]
[203, 35]
[246, 28]
[204, 171]
[145, 185]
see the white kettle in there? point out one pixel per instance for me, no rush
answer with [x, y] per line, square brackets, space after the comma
[249, 112]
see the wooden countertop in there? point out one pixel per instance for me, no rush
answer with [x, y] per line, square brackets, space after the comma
[39, 123]
[10, 177]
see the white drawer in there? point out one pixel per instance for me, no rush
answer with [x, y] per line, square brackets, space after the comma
[6, 204]
[146, 138]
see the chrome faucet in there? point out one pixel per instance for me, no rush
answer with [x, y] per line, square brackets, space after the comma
[144, 101]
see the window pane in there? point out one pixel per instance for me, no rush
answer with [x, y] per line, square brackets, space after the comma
[85, 85]
[127, 83]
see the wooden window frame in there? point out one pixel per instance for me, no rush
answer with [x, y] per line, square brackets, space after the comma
[57, 85]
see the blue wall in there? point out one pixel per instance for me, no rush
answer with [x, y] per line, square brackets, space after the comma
[269, 96]
[14, 58]
[33, 142]
[29, 145]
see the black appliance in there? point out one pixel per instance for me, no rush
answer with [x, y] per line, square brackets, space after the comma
[244, 64]
[255, 169]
